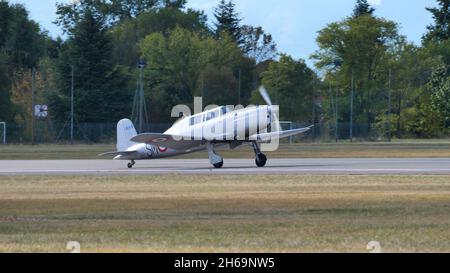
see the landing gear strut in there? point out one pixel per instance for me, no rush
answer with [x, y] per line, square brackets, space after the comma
[215, 159]
[261, 158]
[131, 164]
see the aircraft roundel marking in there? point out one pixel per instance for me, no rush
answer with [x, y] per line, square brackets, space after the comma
[162, 149]
[162, 139]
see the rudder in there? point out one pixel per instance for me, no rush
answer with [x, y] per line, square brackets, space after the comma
[125, 132]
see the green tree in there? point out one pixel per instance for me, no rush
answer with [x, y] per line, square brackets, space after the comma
[177, 4]
[362, 8]
[436, 40]
[6, 17]
[111, 12]
[25, 42]
[440, 30]
[125, 9]
[409, 67]
[356, 48]
[184, 65]
[439, 87]
[174, 64]
[22, 44]
[6, 107]
[101, 87]
[228, 20]
[218, 86]
[69, 15]
[108, 11]
[257, 44]
[127, 35]
[291, 85]
[5, 96]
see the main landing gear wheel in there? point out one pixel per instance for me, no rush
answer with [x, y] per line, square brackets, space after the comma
[218, 165]
[261, 160]
[131, 164]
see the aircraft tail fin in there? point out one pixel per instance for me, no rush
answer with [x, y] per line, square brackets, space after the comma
[125, 132]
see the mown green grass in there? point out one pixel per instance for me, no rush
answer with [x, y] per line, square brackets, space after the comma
[225, 213]
[304, 150]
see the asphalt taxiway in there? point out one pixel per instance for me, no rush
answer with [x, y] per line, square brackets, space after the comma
[356, 166]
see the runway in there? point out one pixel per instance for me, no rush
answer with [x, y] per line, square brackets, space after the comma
[355, 166]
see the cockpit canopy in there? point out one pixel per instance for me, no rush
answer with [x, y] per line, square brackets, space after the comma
[209, 115]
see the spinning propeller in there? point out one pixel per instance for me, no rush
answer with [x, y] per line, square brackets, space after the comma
[272, 111]
[265, 95]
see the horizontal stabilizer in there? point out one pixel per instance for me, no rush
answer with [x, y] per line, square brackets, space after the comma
[117, 153]
[166, 141]
[152, 138]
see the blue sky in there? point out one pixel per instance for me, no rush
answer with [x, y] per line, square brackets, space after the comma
[293, 23]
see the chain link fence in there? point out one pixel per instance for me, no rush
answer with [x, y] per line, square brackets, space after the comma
[59, 133]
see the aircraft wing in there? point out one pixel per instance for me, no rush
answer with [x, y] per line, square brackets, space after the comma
[167, 141]
[279, 135]
[173, 142]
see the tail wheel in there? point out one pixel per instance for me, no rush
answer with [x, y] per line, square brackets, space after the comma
[261, 160]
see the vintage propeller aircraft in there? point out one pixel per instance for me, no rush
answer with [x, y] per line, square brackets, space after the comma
[220, 126]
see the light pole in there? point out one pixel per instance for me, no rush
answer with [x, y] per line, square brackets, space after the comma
[330, 94]
[33, 91]
[314, 109]
[141, 98]
[139, 109]
[389, 107]
[72, 108]
[139, 114]
[351, 106]
[337, 64]
[337, 117]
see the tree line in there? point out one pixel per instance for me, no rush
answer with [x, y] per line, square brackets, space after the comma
[398, 89]
[366, 73]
